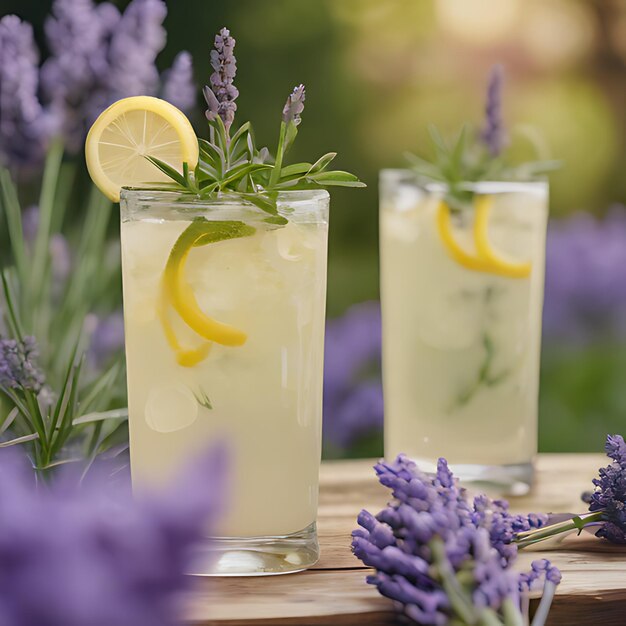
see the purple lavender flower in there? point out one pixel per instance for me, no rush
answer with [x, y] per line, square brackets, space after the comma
[222, 93]
[428, 535]
[493, 134]
[18, 365]
[99, 56]
[610, 494]
[585, 285]
[178, 85]
[78, 34]
[135, 43]
[294, 106]
[607, 504]
[353, 397]
[74, 556]
[25, 127]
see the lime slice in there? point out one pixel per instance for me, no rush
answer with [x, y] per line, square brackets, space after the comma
[127, 132]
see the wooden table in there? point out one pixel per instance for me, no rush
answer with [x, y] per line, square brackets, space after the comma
[593, 590]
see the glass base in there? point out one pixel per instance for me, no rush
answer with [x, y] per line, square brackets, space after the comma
[257, 556]
[508, 480]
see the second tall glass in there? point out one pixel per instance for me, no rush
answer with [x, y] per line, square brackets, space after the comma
[224, 314]
[462, 293]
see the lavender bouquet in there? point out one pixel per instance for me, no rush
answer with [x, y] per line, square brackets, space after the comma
[444, 559]
[61, 378]
[607, 503]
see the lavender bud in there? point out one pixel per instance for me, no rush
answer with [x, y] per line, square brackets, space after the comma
[294, 106]
[18, 367]
[224, 64]
[493, 134]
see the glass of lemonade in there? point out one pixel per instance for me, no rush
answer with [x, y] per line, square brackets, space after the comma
[462, 294]
[194, 268]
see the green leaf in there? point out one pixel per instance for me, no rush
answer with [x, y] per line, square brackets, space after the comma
[13, 319]
[295, 170]
[323, 162]
[236, 173]
[113, 414]
[291, 133]
[168, 170]
[19, 440]
[336, 178]
[13, 214]
[241, 131]
[278, 220]
[266, 203]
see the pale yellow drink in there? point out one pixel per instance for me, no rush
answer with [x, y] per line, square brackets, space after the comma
[264, 397]
[461, 344]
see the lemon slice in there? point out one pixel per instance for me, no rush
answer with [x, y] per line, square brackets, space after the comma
[127, 132]
[455, 250]
[484, 258]
[177, 292]
[498, 264]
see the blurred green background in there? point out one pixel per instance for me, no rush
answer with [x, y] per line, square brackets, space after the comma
[377, 72]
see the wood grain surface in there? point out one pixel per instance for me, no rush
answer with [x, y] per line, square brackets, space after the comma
[593, 590]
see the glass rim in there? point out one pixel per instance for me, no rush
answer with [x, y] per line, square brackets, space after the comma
[407, 175]
[167, 196]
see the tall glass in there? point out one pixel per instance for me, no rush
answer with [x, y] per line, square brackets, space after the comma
[462, 294]
[224, 315]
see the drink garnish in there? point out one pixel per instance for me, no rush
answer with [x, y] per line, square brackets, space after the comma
[130, 130]
[471, 158]
[177, 293]
[484, 258]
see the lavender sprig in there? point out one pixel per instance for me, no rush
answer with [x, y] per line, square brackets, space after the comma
[294, 106]
[442, 558]
[493, 134]
[222, 93]
[25, 126]
[18, 365]
[474, 157]
[231, 162]
[607, 504]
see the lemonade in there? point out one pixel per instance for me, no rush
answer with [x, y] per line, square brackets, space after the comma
[461, 333]
[263, 397]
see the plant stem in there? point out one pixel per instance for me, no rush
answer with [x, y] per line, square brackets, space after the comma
[544, 604]
[459, 601]
[530, 537]
[280, 153]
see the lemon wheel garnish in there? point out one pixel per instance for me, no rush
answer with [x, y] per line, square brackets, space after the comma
[130, 130]
[484, 258]
[178, 294]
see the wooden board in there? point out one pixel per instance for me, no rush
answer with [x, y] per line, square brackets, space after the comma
[593, 590]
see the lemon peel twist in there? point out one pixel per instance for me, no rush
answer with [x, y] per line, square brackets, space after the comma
[178, 294]
[486, 258]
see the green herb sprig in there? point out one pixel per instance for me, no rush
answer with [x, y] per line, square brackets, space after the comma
[233, 163]
[477, 156]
